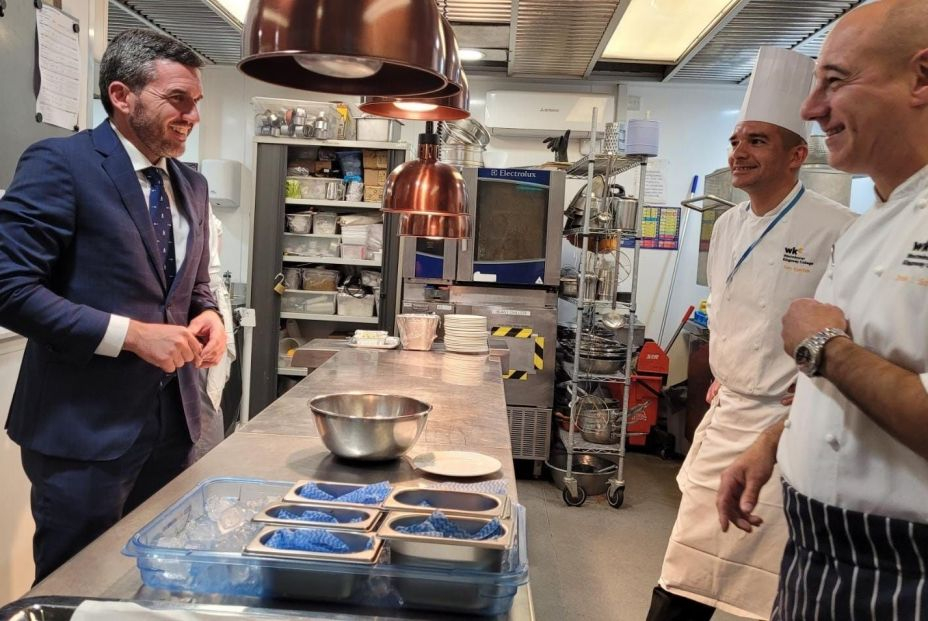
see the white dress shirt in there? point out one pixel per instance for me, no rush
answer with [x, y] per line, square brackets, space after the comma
[745, 350]
[115, 335]
[831, 450]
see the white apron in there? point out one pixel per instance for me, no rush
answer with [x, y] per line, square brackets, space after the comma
[734, 571]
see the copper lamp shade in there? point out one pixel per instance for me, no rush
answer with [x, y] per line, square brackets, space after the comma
[429, 195]
[451, 103]
[360, 47]
[452, 108]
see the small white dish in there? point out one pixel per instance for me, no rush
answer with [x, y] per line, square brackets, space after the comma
[457, 463]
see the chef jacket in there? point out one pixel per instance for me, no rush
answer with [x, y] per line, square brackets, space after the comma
[831, 450]
[745, 349]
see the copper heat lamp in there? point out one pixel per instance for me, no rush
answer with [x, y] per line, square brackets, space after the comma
[452, 103]
[428, 195]
[362, 47]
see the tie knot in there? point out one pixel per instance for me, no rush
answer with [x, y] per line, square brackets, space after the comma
[153, 174]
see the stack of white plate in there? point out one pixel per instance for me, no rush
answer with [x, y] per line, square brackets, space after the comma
[466, 334]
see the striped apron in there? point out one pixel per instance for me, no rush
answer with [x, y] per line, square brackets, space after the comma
[844, 565]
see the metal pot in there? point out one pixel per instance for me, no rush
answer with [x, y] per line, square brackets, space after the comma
[599, 426]
[461, 155]
[569, 286]
[592, 472]
[600, 365]
[624, 213]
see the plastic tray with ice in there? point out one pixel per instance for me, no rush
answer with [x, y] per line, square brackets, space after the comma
[165, 562]
[345, 494]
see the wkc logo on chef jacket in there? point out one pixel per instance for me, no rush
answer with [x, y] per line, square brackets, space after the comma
[919, 255]
[795, 260]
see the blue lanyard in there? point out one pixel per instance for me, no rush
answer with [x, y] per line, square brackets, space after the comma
[786, 210]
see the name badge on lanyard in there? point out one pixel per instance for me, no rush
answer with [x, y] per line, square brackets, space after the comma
[750, 249]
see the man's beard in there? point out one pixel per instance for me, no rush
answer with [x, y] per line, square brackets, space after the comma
[152, 135]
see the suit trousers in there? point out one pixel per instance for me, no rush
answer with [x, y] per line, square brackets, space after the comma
[75, 501]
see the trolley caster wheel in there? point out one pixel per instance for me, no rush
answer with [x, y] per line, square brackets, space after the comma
[574, 501]
[665, 453]
[616, 497]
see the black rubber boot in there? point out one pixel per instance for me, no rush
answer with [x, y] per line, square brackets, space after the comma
[666, 606]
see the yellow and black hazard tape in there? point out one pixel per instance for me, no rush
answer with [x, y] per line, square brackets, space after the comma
[522, 333]
[512, 332]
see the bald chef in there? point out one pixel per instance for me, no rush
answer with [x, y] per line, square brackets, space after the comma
[764, 253]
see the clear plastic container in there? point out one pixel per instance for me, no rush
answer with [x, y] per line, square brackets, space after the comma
[166, 562]
[311, 245]
[351, 306]
[325, 223]
[312, 302]
[355, 252]
[319, 279]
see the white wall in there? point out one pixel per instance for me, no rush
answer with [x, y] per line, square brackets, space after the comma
[696, 122]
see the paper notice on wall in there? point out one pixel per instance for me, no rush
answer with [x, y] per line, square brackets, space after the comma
[655, 184]
[59, 59]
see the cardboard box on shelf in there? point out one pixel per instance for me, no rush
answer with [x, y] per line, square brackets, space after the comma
[373, 193]
[375, 176]
[373, 158]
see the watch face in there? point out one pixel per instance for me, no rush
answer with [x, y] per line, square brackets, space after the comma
[803, 355]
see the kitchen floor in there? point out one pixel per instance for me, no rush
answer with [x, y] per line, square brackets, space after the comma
[594, 562]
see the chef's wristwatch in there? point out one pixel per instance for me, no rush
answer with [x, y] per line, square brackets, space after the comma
[810, 352]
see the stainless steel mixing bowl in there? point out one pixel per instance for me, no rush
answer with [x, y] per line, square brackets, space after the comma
[369, 426]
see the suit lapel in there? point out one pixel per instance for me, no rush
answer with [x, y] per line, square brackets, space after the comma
[119, 168]
[184, 197]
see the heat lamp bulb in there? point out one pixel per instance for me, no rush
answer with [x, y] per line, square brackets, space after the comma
[349, 67]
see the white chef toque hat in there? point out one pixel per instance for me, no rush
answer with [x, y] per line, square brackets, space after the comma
[781, 81]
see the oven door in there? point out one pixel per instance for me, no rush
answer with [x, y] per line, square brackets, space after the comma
[430, 260]
[516, 218]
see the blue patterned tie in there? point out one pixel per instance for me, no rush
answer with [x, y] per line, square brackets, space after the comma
[160, 211]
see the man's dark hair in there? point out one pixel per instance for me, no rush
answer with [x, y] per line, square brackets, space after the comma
[130, 59]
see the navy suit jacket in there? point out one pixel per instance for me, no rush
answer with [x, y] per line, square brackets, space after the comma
[76, 244]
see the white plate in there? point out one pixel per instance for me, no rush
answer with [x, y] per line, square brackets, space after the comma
[457, 463]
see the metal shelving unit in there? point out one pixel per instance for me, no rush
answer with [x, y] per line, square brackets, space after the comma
[588, 315]
[336, 318]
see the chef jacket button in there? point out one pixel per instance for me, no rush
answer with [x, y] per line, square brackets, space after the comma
[878, 270]
[756, 346]
[832, 441]
[771, 261]
[787, 423]
[763, 305]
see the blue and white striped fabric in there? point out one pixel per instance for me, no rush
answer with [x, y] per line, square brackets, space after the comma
[842, 565]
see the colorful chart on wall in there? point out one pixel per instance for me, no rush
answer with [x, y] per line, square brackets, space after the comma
[660, 229]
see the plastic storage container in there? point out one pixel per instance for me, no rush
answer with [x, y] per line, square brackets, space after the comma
[325, 223]
[313, 302]
[319, 279]
[352, 306]
[300, 222]
[385, 130]
[165, 561]
[311, 245]
[355, 252]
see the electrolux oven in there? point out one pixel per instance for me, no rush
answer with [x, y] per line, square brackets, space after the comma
[516, 223]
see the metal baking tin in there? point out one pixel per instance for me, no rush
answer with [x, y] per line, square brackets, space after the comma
[449, 502]
[369, 516]
[356, 541]
[330, 487]
[408, 549]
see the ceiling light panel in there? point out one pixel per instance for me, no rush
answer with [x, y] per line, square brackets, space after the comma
[661, 31]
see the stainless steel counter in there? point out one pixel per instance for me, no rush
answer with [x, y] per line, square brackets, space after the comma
[281, 443]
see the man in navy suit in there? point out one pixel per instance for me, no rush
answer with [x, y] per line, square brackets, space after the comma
[103, 267]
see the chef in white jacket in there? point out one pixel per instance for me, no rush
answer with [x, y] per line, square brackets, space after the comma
[212, 429]
[764, 253]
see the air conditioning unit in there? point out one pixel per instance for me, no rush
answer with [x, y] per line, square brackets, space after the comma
[526, 113]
